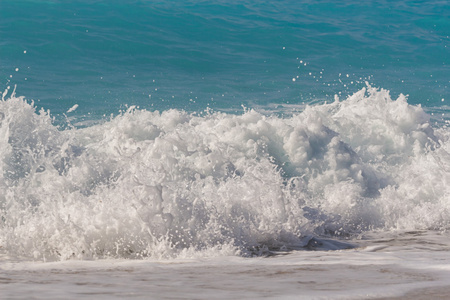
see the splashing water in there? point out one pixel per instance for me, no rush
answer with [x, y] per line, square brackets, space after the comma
[170, 184]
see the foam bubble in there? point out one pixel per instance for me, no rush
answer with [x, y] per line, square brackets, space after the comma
[73, 108]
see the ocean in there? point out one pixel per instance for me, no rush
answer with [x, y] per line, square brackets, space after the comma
[224, 149]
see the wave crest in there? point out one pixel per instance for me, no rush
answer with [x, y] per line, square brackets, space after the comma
[167, 184]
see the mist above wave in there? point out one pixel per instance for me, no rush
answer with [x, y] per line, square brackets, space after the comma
[168, 184]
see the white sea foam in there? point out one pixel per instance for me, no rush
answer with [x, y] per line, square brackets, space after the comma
[171, 184]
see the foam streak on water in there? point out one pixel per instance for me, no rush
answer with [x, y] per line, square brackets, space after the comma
[170, 184]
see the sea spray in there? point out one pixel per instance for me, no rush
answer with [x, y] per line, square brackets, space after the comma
[165, 184]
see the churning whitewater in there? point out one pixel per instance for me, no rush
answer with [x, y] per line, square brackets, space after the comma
[174, 184]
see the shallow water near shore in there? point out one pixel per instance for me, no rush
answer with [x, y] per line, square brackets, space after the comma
[405, 266]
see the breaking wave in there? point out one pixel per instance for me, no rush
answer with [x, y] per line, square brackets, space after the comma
[170, 184]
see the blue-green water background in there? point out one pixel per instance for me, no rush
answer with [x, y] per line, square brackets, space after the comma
[103, 55]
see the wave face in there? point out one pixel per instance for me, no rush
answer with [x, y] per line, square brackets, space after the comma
[170, 184]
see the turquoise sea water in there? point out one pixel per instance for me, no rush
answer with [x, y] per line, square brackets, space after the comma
[191, 55]
[171, 128]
